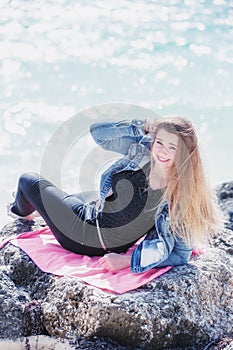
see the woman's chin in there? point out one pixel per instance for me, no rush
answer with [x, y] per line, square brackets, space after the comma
[163, 165]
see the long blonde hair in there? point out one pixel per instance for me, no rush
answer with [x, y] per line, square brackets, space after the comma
[193, 209]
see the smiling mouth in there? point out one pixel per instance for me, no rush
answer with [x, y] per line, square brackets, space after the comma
[162, 160]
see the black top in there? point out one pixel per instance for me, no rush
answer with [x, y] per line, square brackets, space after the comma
[129, 212]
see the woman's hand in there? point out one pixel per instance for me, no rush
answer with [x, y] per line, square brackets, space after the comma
[115, 262]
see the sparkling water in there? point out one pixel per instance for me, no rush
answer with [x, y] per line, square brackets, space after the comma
[59, 58]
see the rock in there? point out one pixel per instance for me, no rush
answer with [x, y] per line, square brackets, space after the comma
[186, 308]
[225, 196]
[11, 312]
[43, 342]
[224, 343]
[35, 342]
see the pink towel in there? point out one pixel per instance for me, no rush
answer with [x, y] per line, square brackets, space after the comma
[51, 257]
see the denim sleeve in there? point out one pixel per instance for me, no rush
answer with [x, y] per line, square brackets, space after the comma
[159, 251]
[177, 257]
[117, 136]
[152, 251]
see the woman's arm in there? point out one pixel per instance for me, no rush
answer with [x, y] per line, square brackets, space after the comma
[161, 251]
[115, 262]
[117, 136]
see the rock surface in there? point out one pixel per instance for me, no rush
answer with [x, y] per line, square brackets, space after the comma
[187, 308]
[225, 196]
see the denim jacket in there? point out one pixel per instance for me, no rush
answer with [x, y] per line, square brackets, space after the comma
[159, 248]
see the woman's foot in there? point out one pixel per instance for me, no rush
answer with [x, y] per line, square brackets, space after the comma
[32, 216]
[15, 216]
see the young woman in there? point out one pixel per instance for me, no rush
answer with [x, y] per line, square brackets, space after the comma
[157, 191]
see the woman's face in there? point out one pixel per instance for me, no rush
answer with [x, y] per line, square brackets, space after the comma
[164, 148]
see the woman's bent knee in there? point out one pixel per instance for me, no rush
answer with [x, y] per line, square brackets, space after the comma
[28, 179]
[28, 176]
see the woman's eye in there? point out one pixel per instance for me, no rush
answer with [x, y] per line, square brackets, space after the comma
[172, 148]
[159, 142]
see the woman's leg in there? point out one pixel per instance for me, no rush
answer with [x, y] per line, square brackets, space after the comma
[63, 213]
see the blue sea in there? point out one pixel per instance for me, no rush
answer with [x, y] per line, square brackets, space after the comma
[67, 63]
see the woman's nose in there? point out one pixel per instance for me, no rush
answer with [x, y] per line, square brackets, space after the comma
[163, 149]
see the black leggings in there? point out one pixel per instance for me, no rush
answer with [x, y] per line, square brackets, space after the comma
[66, 215]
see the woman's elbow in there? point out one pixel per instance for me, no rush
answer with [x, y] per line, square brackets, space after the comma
[183, 258]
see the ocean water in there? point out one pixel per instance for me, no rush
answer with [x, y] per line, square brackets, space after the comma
[66, 63]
